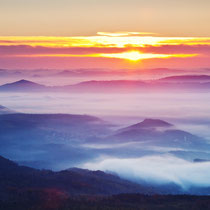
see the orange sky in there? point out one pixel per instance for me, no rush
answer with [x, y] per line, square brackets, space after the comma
[131, 34]
[105, 50]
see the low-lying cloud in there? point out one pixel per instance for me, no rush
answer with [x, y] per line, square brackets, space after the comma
[163, 169]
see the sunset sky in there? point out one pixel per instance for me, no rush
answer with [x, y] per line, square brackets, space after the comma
[133, 34]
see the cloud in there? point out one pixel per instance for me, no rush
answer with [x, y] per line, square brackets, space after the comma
[177, 49]
[125, 33]
[30, 50]
[157, 169]
[164, 49]
[105, 50]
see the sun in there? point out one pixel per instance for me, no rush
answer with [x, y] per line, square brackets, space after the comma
[132, 55]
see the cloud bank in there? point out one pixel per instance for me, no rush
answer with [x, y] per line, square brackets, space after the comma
[105, 50]
[157, 170]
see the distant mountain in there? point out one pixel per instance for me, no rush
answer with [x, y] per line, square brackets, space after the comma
[187, 78]
[47, 140]
[73, 123]
[153, 123]
[198, 160]
[58, 141]
[118, 83]
[106, 86]
[22, 85]
[158, 133]
[73, 181]
[132, 86]
[88, 86]
[172, 84]
[149, 123]
[5, 110]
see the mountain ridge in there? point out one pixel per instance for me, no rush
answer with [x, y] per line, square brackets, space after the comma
[157, 132]
[150, 122]
[186, 78]
[22, 85]
[174, 83]
[69, 181]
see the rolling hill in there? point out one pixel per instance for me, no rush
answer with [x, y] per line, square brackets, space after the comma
[155, 132]
[49, 140]
[72, 181]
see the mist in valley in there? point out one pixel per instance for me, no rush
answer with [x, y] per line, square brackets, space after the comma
[139, 158]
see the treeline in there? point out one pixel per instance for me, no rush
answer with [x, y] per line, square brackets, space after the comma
[52, 199]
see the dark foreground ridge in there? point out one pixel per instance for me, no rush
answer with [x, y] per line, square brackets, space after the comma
[73, 181]
[24, 188]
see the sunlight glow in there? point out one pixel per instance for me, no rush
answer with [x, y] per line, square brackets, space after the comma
[132, 46]
[136, 56]
[124, 33]
[103, 39]
[132, 56]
